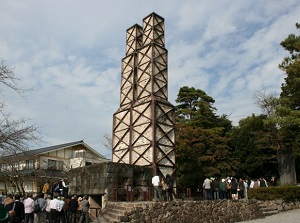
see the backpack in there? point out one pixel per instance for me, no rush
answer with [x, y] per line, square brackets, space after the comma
[37, 207]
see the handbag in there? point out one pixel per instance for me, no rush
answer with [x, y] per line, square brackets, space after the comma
[37, 207]
[12, 212]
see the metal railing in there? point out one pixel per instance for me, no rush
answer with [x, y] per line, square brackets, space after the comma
[130, 193]
[142, 193]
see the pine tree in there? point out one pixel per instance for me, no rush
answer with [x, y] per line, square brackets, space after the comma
[201, 143]
[289, 109]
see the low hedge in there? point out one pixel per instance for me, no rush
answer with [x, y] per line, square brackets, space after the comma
[286, 193]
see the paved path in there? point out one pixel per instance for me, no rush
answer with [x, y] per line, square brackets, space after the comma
[102, 220]
[292, 216]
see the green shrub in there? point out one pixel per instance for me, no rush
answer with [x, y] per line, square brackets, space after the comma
[286, 193]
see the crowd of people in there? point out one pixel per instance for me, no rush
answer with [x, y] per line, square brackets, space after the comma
[231, 187]
[46, 208]
[163, 188]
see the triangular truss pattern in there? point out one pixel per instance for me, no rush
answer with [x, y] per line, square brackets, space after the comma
[154, 28]
[152, 72]
[127, 80]
[134, 39]
[144, 125]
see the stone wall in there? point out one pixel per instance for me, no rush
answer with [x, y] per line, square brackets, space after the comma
[104, 178]
[220, 211]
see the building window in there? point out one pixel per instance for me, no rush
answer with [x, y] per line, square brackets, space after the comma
[79, 153]
[29, 164]
[55, 165]
[16, 165]
[3, 167]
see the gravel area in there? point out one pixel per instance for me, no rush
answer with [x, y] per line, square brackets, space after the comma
[292, 216]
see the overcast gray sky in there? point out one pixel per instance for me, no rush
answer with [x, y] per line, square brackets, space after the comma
[69, 52]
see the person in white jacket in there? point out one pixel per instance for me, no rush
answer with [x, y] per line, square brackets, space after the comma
[28, 209]
[54, 206]
[156, 183]
[207, 189]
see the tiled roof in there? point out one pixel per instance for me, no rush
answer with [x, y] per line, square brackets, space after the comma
[62, 146]
[53, 148]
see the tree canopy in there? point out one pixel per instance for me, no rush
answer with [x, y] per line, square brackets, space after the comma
[252, 148]
[201, 143]
[289, 108]
[261, 145]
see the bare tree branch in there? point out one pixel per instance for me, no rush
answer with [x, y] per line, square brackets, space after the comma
[266, 102]
[8, 78]
[15, 135]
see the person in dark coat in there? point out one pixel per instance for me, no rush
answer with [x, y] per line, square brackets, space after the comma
[62, 187]
[169, 181]
[19, 210]
[234, 187]
[73, 206]
[262, 182]
[216, 188]
[66, 208]
[55, 189]
[273, 182]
